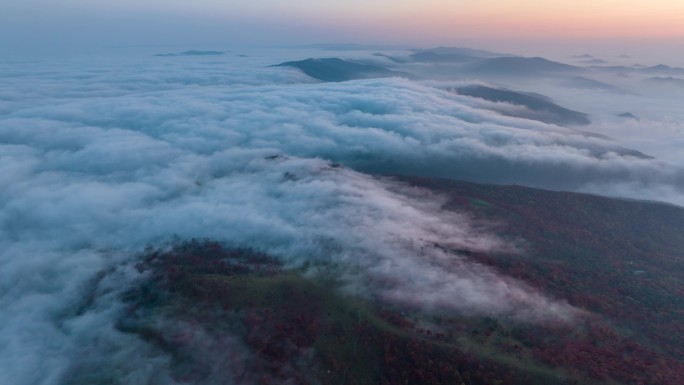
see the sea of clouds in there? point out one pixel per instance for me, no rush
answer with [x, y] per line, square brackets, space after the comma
[100, 157]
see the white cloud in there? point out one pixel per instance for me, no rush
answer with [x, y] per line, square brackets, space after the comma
[102, 158]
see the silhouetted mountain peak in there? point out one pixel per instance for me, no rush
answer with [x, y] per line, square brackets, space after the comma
[338, 70]
[463, 51]
[520, 66]
[193, 53]
[628, 115]
[434, 57]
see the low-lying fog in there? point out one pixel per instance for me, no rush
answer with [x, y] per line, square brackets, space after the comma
[103, 155]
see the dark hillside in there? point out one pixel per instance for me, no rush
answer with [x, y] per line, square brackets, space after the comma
[620, 258]
[238, 316]
[340, 70]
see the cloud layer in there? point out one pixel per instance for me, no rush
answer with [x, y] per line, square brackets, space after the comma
[100, 158]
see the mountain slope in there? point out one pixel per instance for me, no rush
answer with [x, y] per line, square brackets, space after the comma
[227, 314]
[539, 107]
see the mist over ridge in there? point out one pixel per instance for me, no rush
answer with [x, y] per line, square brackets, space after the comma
[342, 192]
[102, 157]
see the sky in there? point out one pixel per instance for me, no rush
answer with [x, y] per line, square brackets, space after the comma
[44, 24]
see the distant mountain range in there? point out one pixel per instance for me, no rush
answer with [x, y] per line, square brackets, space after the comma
[490, 65]
[352, 47]
[582, 82]
[433, 57]
[594, 61]
[538, 107]
[461, 51]
[192, 53]
[628, 115]
[479, 62]
[520, 67]
[336, 69]
[660, 69]
[670, 81]
[339, 70]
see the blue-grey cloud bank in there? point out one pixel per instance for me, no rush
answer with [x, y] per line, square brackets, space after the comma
[100, 158]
